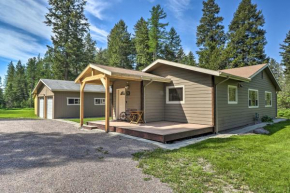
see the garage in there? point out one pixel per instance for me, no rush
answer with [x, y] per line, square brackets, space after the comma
[41, 104]
[49, 108]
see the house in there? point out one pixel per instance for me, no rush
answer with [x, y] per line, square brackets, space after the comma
[55, 99]
[173, 92]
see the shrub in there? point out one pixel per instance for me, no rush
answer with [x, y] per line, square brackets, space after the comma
[284, 113]
[266, 118]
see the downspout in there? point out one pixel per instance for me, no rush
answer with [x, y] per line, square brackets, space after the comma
[216, 106]
[145, 100]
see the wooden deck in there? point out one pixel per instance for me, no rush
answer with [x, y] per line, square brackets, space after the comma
[162, 131]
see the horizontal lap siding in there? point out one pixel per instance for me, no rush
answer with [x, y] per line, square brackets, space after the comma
[133, 101]
[62, 110]
[235, 115]
[198, 96]
[154, 101]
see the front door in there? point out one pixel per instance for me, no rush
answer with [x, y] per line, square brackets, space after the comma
[121, 102]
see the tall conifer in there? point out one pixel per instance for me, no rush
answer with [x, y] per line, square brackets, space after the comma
[210, 36]
[285, 47]
[246, 36]
[172, 46]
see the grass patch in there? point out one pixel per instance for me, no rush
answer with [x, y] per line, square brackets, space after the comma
[27, 113]
[259, 163]
[77, 120]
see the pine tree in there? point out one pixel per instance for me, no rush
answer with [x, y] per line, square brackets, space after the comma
[31, 75]
[120, 47]
[141, 41]
[210, 36]
[9, 94]
[20, 87]
[276, 69]
[101, 57]
[157, 33]
[285, 47]
[172, 46]
[89, 51]
[69, 26]
[2, 102]
[246, 36]
[190, 59]
[181, 57]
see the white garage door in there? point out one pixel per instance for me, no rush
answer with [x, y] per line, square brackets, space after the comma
[41, 107]
[49, 108]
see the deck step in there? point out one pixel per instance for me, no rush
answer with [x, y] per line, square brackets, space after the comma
[89, 127]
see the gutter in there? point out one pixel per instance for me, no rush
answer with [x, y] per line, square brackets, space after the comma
[144, 99]
[216, 129]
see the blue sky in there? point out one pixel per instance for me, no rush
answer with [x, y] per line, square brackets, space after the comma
[23, 33]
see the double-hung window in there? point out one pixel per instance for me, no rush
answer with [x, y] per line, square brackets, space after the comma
[99, 101]
[73, 101]
[232, 94]
[268, 99]
[175, 95]
[253, 98]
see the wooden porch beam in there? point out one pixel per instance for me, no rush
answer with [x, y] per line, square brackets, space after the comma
[82, 95]
[95, 77]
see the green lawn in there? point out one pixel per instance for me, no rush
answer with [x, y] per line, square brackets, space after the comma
[259, 163]
[87, 119]
[17, 113]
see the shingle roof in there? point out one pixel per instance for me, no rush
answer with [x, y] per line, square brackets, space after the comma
[123, 71]
[245, 72]
[64, 85]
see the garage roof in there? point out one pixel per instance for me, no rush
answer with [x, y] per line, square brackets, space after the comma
[69, 86]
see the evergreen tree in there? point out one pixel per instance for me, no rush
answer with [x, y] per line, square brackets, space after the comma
[181, 57]
[101, 57]
[20, 87]
[2, 102]
[276, 69]
[285, 47]
[120, 47]
[210, 36]
[157, 33]
[89, 51]
[69, 26]
[31, 75]
[141, 41]
[246, 36]
[172, 46]
[190, 59]
[9, 94]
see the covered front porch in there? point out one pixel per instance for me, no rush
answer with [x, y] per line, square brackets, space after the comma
[162, 131]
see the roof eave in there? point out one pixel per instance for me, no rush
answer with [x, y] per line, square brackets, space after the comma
[224, 74]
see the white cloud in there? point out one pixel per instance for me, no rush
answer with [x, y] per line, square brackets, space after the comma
[178, 7]
[98, 34]
[18, 46]
[96, 8]
[26, 15]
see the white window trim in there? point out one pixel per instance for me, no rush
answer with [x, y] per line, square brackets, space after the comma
[257, 98]
[99, 104]
[232, 102]
[271, 98]
[175, 102]
[67, 98]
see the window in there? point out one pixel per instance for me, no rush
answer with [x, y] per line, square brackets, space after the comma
[268, 99]
[253, 98]
[73, 101]
[99, 101]
[232, 94]
[174, 94]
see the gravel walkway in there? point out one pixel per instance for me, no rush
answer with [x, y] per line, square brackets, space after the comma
[53, 156]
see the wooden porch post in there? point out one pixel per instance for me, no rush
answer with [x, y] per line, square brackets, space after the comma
[107, 87]
[82, 95]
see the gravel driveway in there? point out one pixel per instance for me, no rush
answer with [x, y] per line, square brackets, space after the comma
[53, 156]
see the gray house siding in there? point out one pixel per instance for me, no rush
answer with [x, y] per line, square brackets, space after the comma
[235, 115]
[62, 110]
[198, 106]
[133, 101]
[154, 101]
